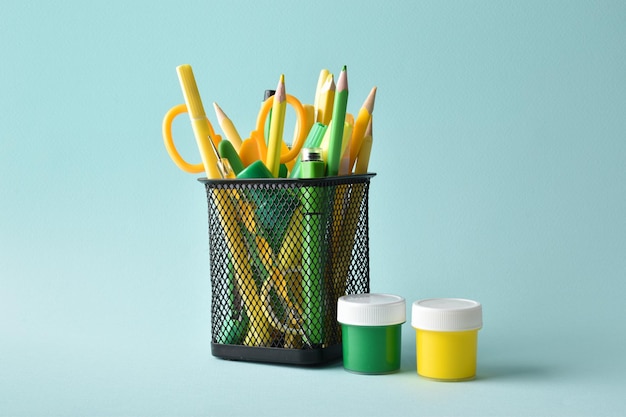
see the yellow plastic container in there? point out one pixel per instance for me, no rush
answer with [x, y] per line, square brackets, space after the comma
[446, 337]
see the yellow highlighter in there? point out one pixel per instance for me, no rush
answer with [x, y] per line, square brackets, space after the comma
[199, 121]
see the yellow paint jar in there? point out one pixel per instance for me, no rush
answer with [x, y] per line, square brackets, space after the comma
[446, 337]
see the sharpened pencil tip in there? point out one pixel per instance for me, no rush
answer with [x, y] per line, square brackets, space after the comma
[369, 101]
[218, 111]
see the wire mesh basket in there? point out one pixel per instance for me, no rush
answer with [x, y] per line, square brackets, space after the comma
[281, 252]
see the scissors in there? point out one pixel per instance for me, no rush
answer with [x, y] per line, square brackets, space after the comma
[286, 316]
[206, 139]
[168, 119]
[255, 147]
[252, 149]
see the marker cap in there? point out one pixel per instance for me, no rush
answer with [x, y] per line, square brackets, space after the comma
[311, 154]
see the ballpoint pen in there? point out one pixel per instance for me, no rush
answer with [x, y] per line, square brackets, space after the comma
[223, 164]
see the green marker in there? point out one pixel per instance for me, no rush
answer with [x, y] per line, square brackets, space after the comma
[313, 140]
[312, 199]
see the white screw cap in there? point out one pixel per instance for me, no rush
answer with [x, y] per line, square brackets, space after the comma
[371, 310]
[447, 314]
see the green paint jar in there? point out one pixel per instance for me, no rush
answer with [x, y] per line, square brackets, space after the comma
[371, 332]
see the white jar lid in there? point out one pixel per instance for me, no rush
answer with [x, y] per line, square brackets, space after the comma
[447, 314]
[371, 310]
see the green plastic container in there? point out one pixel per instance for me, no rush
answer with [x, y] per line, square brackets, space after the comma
[371, 326]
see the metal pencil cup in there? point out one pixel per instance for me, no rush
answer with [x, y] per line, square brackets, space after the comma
[281, 252]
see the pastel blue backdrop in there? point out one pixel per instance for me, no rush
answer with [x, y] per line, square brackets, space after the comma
[500, 149]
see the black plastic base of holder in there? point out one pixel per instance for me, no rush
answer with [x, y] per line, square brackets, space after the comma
[307, 357]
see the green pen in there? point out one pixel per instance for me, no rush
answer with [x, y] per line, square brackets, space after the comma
[312, 166]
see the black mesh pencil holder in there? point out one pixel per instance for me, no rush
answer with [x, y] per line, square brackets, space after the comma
[281, 252]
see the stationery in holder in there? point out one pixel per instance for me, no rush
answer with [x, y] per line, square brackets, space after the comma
[281, 252]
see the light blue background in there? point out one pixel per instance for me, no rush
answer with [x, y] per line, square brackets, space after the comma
[500, 148]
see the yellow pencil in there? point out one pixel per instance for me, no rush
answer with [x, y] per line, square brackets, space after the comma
[318, 91]
[344, 163]
[360, 125]
[363, 158]
[228, 127]
[277, 126]
[327, 100]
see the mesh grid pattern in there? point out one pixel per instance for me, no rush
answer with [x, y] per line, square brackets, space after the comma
[281, 253]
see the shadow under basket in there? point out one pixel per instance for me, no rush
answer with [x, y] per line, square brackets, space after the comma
[281, 252]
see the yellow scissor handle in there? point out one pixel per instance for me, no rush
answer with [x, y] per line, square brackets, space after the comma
[169, 141]
[301, 133]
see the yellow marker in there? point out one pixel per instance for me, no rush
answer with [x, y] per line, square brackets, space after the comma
[199, 121]
[277, 126]
[363, 158]
[228, 127]
[446, 337]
